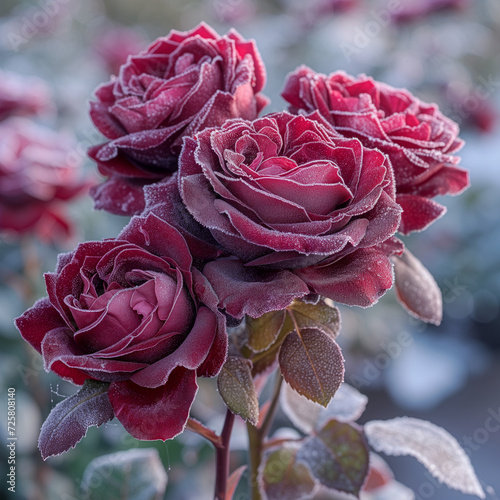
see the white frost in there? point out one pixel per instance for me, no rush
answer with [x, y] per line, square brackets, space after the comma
[431, 445]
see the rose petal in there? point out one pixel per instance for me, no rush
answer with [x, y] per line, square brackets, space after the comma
[418, 212]
[190, 354]
[253, 291]
[152, 233]
[163, 200]
[37, 321]
[119, 196]
[160, 413]
[62, 356]
[359, 279]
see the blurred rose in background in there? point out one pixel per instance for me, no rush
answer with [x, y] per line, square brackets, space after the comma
[39, 174]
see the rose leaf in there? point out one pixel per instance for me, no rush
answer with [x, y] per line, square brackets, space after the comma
[416, 289]
[322, 316]
[347, 405]
[133, 474]
[281, 477]
[431, 445]
[262, 332]
[312, 363]
[233, 480]
[266, 360]
[337, 456]
[68, 422]
[237, 389]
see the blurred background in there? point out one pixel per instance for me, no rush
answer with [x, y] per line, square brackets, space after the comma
[53, 53]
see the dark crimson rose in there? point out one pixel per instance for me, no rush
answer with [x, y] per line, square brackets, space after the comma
[133, 312]
[181, 84]
[39, 173]
[302, 210]
[419, 140]
[21, 95]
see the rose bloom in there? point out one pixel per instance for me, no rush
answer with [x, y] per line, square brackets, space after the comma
[295, 208]
[133, 312]
[21, 95]
[419, 140]
[181, 84]
[39, 174]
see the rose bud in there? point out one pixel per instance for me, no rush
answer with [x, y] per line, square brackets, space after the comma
[39, 173]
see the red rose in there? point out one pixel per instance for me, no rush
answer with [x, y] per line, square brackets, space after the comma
[39, 172]
[181, 84]
[294, 203]
[133, 312]
[419, 140]
[22, 95]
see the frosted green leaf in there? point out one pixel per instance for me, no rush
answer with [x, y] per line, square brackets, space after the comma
[337, 456]
[237, 389]
[322, 316]
[262, 332]
[347, 405]
[68, 422]
[312, 363]
[431, 445]
[281, 477]
[132, 474]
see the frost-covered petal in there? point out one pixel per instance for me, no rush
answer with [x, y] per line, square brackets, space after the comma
[359, 279]
[160, 413]
[247, 290]
[38, 320]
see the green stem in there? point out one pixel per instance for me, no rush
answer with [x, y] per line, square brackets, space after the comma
[271, 412]
[257, 436]
[254, 458]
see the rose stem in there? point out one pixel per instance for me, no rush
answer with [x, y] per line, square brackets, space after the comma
[222, 458]
[194, 426]
[221, 445]
[257, 435]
